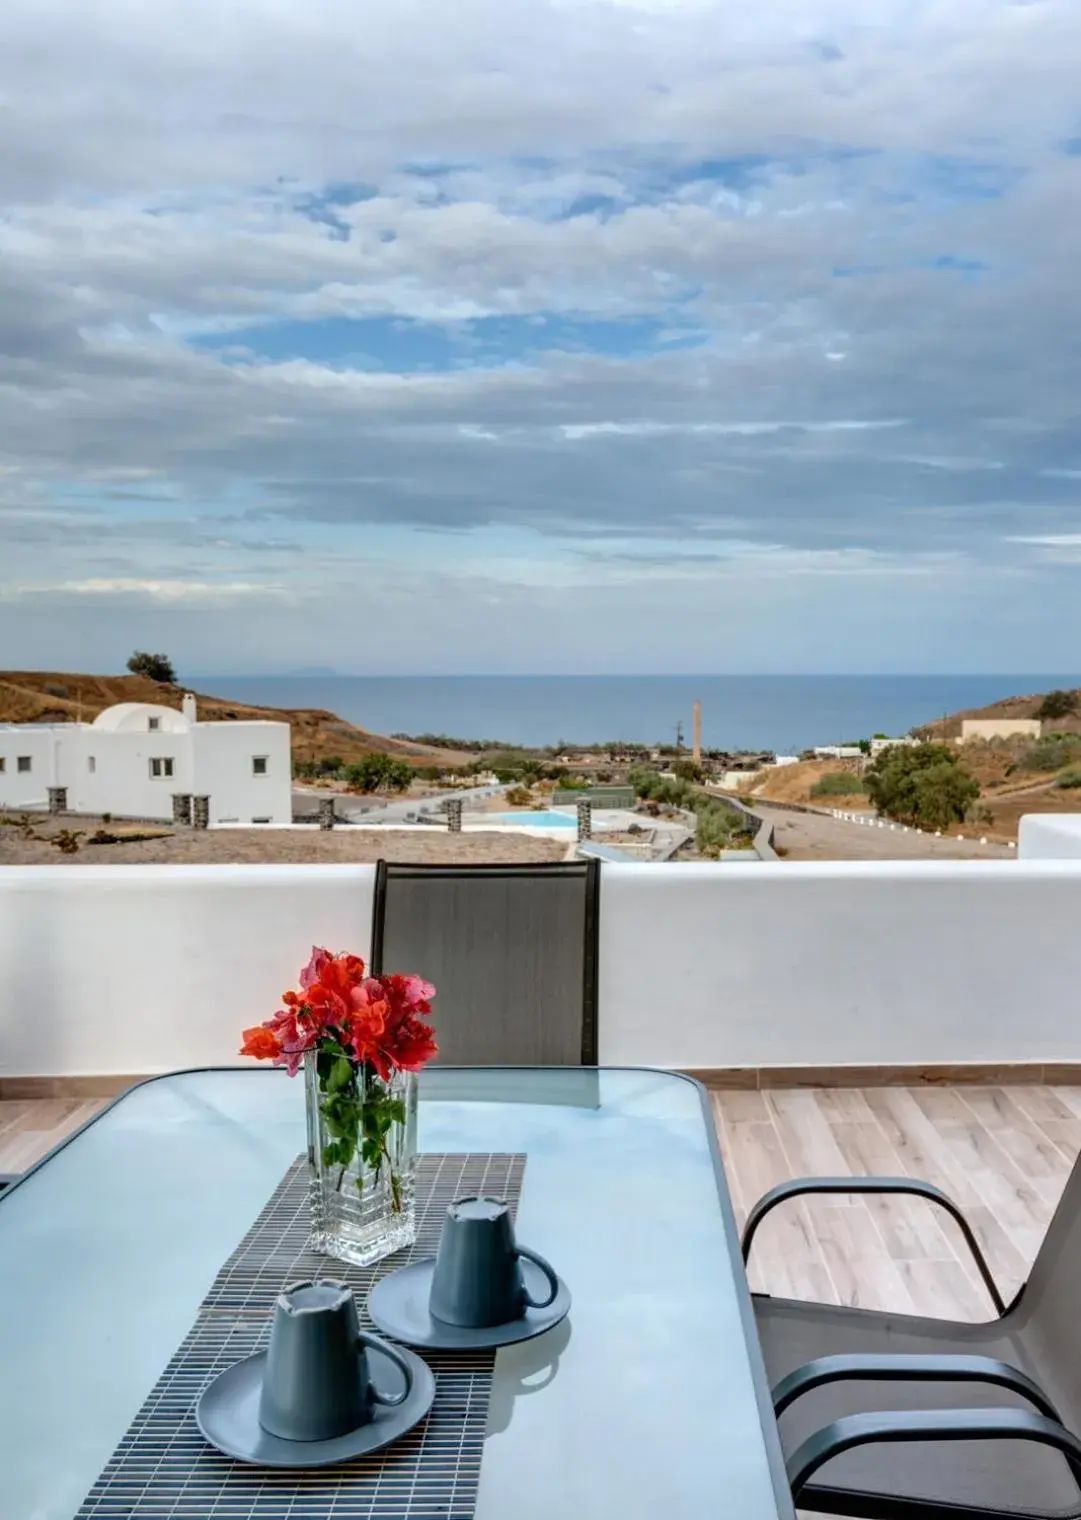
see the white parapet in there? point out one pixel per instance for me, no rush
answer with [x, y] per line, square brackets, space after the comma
[139, 969]
[1050, 836]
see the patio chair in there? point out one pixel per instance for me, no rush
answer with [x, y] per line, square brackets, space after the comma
[512, 951]
[991, 1407]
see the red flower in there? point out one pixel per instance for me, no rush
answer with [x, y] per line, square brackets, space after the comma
[376, 1020]
[261, 1043]
[408, 1042]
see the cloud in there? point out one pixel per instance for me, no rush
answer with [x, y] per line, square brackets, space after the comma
[647, 429]
[155, 590]
[295, 298]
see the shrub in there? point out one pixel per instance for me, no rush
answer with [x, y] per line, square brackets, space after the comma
[1057, 704]
[922, 784]
[66, 841]
[518, 796]
[376, 773]
[1051, 754]
[837, 784]
[1070, 779]
[158, 667]
[651, 786]
[714, 830]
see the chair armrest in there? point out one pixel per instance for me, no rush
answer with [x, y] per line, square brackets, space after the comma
[908, 1368]
[897, 1185]
[927, 1425]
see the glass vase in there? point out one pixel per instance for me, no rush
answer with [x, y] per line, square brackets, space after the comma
[362, 1211]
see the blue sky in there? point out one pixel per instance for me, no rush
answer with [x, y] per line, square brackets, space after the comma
[542, 335]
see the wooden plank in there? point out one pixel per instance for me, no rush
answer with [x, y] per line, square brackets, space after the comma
[843, 1105]
[998, 1180]
[910, 1228]
[860, 1267]
[1010, 1128]
[918, 1143]
[944, 1290]
[805, 1133]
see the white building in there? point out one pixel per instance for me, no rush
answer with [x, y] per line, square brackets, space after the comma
[907, 742]
[999, 728]
[136, 755]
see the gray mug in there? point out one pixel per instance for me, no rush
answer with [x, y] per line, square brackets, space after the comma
[316, 1383]
[477, 1280]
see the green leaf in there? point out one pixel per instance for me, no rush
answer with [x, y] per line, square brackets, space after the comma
[340, 1076]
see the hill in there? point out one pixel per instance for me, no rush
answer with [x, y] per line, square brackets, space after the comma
[796, 783]
[949, 727]
[33, 696]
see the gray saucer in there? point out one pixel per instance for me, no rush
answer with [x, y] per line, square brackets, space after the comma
[398, 1305]
[228, 1416]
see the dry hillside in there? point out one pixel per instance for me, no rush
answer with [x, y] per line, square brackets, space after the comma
[793, 783]
[1017, 775]
[1010, 707]
[58, 697]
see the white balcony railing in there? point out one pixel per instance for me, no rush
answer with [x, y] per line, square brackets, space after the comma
[139, 969]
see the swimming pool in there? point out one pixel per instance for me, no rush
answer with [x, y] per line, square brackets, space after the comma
[543, 818]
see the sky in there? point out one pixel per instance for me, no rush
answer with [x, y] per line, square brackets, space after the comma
[541, 335]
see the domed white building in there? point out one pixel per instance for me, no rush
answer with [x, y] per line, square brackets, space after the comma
[145, 717]
[135, 757]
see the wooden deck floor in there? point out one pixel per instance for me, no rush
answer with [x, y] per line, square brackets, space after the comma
[1002, 1153]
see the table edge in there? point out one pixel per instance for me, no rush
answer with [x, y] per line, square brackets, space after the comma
[767, 1421]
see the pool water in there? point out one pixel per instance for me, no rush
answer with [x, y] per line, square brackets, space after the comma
[544, 818]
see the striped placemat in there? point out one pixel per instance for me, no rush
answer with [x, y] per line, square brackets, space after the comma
[164, 1470]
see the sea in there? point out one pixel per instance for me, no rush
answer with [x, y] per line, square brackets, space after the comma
[782, 713]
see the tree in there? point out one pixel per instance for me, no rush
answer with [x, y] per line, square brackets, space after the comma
[922, 783]
[688, 770]
[943, 794]
[1057, 704]
[158, 667]
[375, 773]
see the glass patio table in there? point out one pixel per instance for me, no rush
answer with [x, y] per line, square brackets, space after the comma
[650, 1399]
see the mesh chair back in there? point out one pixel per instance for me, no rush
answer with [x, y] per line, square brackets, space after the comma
[512, 951]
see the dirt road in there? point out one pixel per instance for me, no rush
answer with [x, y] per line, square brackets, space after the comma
[814, 836]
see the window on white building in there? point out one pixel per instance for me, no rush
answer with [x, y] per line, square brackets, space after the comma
[24, 763]
[153, 724]
[3, 763]
[260, 820]
[91, 764]
[161, 767]
[260, 764]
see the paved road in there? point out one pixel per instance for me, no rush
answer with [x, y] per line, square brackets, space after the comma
[815, 836]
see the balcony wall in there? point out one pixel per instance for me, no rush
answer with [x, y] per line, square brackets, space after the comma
[1050, 836]
[133, 969]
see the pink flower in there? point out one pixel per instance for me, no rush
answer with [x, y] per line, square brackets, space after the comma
[417, 994]
[314, 968]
